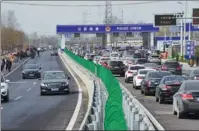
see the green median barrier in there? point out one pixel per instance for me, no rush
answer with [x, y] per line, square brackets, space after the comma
[115, 125]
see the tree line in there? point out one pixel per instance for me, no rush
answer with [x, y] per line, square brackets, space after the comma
[12, 37]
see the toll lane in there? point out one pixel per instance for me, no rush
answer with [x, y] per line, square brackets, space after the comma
[162, 112]
[28, 110]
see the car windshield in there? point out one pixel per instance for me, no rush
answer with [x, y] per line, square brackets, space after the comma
[116, 63]
[144, 72]
[2, 80]
[136, 67]
[114, 55]
[158, 74]
[196, 72]
[174, 78]
[155, 56]
[54, 75]
[31, 67]
[137, 55]
[192, 86]
[171, 64]
[141, 61]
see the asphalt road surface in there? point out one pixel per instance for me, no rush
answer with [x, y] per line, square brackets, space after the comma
[27, 110]
[163, 112]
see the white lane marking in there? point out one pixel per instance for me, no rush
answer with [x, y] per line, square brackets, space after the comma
[79, 102]
[163, 112]
[1, 108]
[17, 98]
[17, 67]
[34, 83]
[28, 89]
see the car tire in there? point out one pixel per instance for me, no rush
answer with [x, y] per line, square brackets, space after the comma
[160, 100]
[126, 80]
[145, 93]
[23, 77]
[142, 92]
[6, 98]
[174, 112]
[180, 115]
[42, 94]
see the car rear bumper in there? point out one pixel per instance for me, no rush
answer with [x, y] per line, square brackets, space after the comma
[35, 75]
[117, 71]
[50, 91]
[192, 107]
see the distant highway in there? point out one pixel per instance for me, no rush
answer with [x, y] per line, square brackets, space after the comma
[27, 110]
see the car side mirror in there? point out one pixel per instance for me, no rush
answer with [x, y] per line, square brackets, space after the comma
[68, 78]
[7, 81]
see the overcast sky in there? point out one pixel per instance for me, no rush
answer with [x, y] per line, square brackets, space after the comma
[43, 19]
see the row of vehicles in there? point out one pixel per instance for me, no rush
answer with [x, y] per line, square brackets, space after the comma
[51, 82]
[147, 73]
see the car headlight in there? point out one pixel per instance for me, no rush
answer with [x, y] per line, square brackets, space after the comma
[64, 84]
[44, 85]
[23, 72]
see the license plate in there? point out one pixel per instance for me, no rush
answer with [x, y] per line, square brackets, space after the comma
[55, 89]
[31, 74]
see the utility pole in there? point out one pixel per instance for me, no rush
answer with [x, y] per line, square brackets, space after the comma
[108, 21]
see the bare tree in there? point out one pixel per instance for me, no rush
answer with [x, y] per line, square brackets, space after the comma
[114, 20]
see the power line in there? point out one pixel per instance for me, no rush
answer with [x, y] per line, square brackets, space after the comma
[64, 5]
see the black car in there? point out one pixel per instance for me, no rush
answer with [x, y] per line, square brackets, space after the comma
[151, 81]
[168, 86]
[194, 74]
[172, 66]
[116, 67]
[186, 99]
[141, 61]
[54, 82]
[31, 71]
[54, 53]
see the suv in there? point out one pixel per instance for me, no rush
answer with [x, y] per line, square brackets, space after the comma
[116, 67]
[4, 89]
[172, 66]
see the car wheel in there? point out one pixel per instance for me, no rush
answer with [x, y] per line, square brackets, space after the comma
[68, 92]
[142, 92]
[160, 100]
[42, 94]
[23, 77]
[180, 115]
[156, 99]
[174, 112]
[6, 98]
[126, 80]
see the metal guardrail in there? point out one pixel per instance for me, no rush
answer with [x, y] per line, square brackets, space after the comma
[136, 115]
[95, 118]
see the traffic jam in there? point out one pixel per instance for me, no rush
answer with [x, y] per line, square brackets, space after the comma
[145, 71]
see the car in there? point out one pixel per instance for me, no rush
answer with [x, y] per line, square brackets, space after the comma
[152, 66]
[96, 59]
[194, 74]
[173, 66]
[131, 71]
[186, 99]
[141, 61]
[116, 67]
[168, 86]
[137, 79]
[31, 71]
[103, 59]
[154, 58]
[54, 53]
[136, 56]
[151, 81]
[114, 56]
[91, 57]
[4, 89]
[54, 82]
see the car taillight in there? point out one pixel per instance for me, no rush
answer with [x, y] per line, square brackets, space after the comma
[139, 77]
[178, 68]
[196, 78]
[166, 87]
[129, 72]
[187, 96]
[164, 68]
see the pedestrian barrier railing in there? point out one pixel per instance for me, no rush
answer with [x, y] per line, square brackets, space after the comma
[113, 106]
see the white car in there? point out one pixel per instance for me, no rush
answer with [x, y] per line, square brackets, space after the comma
[103, 59]
[114, 56]
[131, 72]
[4, 89]
[137, 79]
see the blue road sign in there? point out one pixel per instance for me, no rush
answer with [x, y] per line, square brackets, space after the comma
[162, 38]
[190, 49]
[106, 29]
[192, 28]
